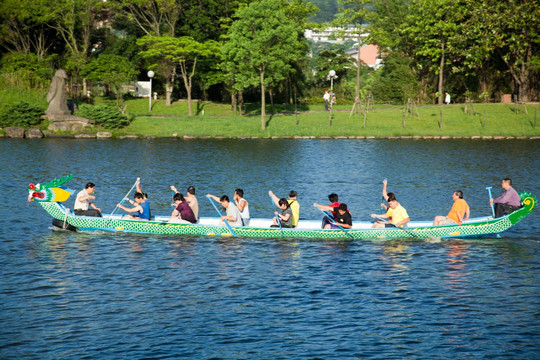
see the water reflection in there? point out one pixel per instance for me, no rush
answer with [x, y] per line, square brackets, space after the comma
[457, 268]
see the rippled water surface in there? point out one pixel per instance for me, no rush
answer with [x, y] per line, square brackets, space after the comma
[106, 296]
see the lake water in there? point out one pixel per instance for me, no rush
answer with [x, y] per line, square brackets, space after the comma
[106, 296]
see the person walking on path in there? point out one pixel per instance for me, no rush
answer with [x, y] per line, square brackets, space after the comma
[326, 98]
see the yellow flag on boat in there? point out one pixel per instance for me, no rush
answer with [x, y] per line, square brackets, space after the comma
[59, 194]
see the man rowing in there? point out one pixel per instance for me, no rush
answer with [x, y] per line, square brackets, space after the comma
[396, 212]
[508, 202]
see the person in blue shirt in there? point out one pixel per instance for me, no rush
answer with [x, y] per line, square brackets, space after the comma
[141, 207]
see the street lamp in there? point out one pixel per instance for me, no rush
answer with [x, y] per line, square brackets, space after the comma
[332, 76]
[150, 75]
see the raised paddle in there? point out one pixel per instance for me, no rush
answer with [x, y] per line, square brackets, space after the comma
[488, 188]
[334, 222]
[219, 212]
[382, 197]
[125, 197]
[277, 216]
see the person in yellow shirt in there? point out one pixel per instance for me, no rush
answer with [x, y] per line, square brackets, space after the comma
[293, 203]
[460, 211]
[396, 212]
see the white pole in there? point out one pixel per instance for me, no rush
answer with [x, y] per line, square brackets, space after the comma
[150, 97]
[150, 75]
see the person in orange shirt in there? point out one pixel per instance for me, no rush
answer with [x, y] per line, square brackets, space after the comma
[460, 211]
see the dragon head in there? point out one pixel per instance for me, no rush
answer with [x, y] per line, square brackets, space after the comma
[49, 191]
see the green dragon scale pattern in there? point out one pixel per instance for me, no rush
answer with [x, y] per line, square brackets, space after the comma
[492, 226]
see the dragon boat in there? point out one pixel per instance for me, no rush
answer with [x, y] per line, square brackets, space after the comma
[51, 195]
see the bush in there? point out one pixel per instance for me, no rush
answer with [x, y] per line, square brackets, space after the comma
[106, 116]
[20, 114]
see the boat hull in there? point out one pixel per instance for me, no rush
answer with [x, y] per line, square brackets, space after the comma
[473, 228]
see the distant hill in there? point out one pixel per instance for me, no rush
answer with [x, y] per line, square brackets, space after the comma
[328, 8]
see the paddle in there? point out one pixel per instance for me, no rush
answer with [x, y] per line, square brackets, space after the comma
[335, 223]
[125, 197]
[397, 227]
[277, 216]
[488, 188]
[219, 212]
[382, 197]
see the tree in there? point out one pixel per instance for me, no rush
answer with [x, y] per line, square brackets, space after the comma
[511, 30]
[74, 21]
[260, 47]
[336, 60]
[353, 13]
[112, 71]
[154, 18]
[183, 51]
[23, 27]
[434, 28]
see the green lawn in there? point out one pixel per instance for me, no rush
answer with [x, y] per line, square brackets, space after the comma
[218, 120]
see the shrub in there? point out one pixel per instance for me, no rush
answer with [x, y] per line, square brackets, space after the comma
[20, 114]
[106, 116]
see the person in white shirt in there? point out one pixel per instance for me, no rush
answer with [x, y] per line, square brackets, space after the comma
[84, 200]
[242, 205]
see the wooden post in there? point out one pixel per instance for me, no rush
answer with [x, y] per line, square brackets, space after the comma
[365, 115]
[295, 108]
[440, 119]
[330, 116]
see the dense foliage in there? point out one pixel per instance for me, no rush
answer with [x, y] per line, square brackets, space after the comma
[20, 114]
[106, 116]
[239, 50]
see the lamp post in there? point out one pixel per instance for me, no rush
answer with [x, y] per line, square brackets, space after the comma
[150, 75]
[332, 76]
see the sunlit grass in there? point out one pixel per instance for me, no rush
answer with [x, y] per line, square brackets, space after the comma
[499, 120]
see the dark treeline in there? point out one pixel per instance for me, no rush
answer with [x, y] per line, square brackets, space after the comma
[240, 50]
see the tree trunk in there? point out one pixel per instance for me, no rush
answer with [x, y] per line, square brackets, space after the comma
[522, 79]
[168, 92]
[263, 103]
[271, 100]
[358, 64]
[190, 105]
[240, 101]
[234, 102]
[441, 73]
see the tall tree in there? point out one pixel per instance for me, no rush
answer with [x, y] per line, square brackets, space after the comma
[260, 47]
[154, 18]
[434, 28]
[353, 13]
[23, 27]
[183, 52]
[112, 71]
[511, 30]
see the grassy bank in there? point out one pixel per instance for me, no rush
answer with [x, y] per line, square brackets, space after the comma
[218, 120]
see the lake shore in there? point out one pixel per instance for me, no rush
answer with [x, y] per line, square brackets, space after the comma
[217, 120]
